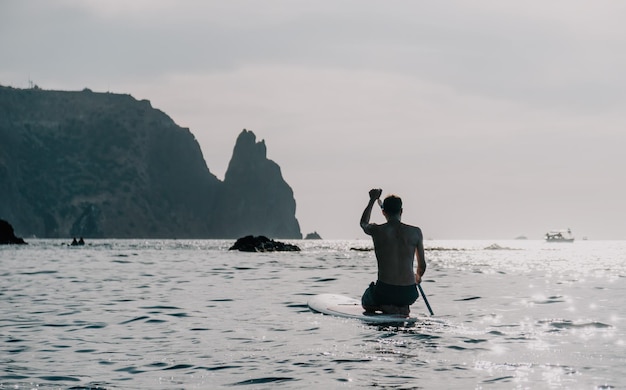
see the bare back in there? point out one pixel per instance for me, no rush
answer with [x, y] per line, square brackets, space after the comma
[396, 245]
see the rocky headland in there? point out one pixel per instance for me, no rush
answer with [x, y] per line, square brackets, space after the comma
[104, 165]
[313, 236]
[7, 236]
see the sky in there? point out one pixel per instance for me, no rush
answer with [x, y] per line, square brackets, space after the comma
[491, 119]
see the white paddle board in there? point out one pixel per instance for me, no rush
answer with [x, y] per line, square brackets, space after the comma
[343, 306]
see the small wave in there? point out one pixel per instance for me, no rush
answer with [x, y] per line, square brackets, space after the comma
[97, 325]
[467, 299]
[18, 350]
[351, 360]
[475, 341]
[88, 387]
[566, 324]
[56, 325]
[179, 315]
[179, 367]
[553, 299]
[43, 272]
[297, 305]
[157, 365]
[134, 319]
[59, 378]
[259, 381]
[130, 370]
[218, 368]
[158, 307]
[13, 377]
[507, 378]
[155, 321]
[318, 280]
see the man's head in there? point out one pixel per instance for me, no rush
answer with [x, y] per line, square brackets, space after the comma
[392, 205]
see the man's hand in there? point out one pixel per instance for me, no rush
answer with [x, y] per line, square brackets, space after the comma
[375, 193]
[418, 278]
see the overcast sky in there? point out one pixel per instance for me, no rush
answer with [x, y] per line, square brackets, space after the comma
[491, 119]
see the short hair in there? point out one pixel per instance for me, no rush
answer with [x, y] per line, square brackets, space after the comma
[392, 205]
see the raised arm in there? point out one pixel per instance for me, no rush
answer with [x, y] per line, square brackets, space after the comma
[367, 213]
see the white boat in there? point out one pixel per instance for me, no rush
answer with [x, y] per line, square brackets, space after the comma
[559, 236]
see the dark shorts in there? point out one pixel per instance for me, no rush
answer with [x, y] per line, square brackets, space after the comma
[381, 293]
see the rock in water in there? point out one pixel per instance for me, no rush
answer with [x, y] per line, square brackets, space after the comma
[262, 244]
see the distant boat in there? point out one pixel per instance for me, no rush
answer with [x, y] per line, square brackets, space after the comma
[559, 236]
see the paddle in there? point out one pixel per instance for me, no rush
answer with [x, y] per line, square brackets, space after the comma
[425, 299]
[419, 286]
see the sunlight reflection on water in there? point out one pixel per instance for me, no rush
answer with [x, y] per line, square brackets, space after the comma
[191, 314]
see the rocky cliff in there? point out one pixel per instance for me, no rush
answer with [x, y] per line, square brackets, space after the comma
[106, 165]
[7, 236]
[255, 194]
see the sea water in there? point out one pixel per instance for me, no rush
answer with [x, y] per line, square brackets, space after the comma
[137, 314]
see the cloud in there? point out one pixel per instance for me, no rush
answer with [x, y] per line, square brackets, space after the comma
[566, 55]
[487, 116]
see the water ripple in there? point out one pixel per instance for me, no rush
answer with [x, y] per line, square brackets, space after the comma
[263, 380]
[189, 314]
[59, 378]
[140, 318]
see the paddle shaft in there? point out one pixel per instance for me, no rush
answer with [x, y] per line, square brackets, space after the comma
[380, 204]
[419, 286]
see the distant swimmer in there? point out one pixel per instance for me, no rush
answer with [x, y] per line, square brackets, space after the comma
[74, 242]
[396, 245]
[81, 241]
